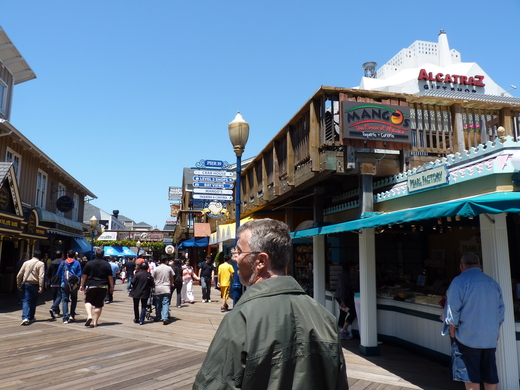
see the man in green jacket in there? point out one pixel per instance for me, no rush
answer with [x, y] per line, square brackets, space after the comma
[276, 337]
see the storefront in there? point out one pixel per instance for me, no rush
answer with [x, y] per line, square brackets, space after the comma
[409, 248]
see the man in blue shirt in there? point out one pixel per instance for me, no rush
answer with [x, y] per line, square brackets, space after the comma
[473, 314]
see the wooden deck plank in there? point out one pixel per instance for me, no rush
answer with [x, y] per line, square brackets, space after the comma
[120, 354]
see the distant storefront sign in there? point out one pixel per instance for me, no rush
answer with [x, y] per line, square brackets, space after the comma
[427, 179]
[65, 203]
[376, 122]
[108, 236]
[175, 193]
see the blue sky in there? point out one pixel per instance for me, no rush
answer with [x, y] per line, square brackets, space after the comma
[130, 92]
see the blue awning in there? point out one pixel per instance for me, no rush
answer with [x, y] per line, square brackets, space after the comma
[495, 203]
[118, 251]
[193, 242]
[81, 245]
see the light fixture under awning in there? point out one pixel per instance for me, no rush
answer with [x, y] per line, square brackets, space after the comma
[495, 203]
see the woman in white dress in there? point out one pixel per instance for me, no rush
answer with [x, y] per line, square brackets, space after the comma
[188, 275]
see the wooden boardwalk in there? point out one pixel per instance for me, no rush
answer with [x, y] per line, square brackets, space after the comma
[119, 354]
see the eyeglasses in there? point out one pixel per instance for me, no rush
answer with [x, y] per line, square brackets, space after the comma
[238, 252]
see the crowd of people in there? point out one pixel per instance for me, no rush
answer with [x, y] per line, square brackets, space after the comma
[150, 283]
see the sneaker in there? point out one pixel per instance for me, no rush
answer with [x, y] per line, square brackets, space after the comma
[25, 322]
[136, 321]
[53, 316]
[71, 319]
[165, 322]
[204, 301]
[65, 321]
[345, 334]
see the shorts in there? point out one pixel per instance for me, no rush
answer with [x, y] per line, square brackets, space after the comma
[224, 292]
[474, 365]
[96, 296]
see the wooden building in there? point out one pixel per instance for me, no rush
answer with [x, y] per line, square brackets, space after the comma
[41, 205]
[402, 183]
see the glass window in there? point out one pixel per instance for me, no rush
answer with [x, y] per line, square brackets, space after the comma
[75, 209]
[61, 191]
[3, 97]
[16, 159]
[41, 189]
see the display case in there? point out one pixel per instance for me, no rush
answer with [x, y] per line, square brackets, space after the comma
[303, 264]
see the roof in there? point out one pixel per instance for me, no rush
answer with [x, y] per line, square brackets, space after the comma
[470, 96]
[11, 58]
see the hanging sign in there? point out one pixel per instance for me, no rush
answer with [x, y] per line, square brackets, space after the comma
[376, 122]
[430, 178]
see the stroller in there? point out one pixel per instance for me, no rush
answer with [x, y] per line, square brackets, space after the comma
[150, 304]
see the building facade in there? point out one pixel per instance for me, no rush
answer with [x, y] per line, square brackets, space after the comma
[399, 177]
[41, 205]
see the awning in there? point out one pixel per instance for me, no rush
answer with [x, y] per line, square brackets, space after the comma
[495, 203]
[226, 231]
[194, 242]
[81, 245]
[118, 251]
[69, 227]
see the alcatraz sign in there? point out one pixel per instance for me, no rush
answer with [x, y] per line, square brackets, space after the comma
[451, 82]
[377, 122]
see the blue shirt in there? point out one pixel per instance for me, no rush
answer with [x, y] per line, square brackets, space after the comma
[475, 307]
[74, 268]
[115, 269]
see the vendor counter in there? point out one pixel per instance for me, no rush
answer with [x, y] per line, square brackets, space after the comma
[414, 325]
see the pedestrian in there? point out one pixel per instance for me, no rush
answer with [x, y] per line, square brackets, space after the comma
[188, 275]
[129, 268]
[142, 284]
[96, 279]
[30, 280]
[55, 283]
[473, 315]
[345, 297]
[276, 337]
[115, 271]
[206, 273]
[225, 274]
[17, 267]
[67, 268]
[163, 277]
[177, 281]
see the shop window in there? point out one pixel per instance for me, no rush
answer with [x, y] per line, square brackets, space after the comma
[16, 159]
[3, 97]
[41, 189]
[61, 192]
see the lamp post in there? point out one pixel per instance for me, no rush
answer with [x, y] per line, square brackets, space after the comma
[238, 135]
[93, 226]
[138, 245]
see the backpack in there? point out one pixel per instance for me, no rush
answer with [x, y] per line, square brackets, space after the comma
[72, 280]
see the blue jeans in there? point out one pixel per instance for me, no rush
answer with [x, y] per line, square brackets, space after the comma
[129, 282]
[57, 295]
[30, 296]
[162, 306]
[68, 296]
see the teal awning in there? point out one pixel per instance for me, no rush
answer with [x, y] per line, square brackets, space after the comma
[118, 251]
[81, 245]
[49, 216]
[495, 203]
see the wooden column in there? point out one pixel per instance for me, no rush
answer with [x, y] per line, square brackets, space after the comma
[318, 249]
[314, 136]
[367, 317]
[458, 128]
[318, 260]
[495, 263]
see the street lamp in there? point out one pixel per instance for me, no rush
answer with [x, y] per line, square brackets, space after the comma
[93, 226]
[238, 135]
[138, 245]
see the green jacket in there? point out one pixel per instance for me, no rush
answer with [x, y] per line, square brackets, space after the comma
[276, 337]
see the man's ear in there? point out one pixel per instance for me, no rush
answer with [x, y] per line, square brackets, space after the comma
[262, 261]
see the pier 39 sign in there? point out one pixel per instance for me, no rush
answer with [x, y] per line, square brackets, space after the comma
[376, 122]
